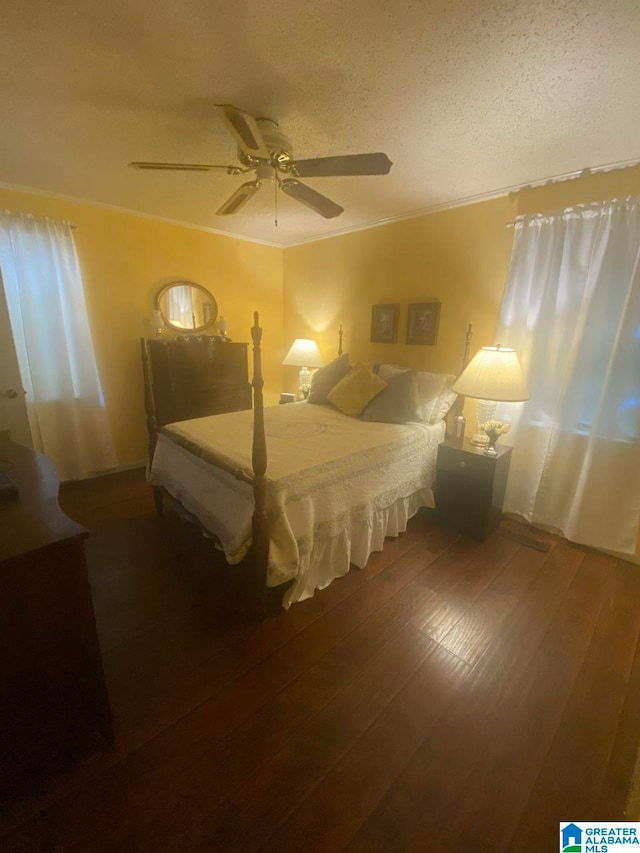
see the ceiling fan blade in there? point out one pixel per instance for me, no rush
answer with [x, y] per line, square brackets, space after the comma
[315, 200]
[348, 164]
[240, 197]
[186, 167]
[245, 130]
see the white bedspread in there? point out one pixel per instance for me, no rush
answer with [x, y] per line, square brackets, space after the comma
[336, 485]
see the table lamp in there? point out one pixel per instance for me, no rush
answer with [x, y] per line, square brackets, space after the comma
[157, 323]
[492, 376]
[304, 353]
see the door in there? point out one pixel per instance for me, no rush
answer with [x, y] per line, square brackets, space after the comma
[13, 408]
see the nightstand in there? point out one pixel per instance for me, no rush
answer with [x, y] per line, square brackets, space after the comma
[287, 398]
[470, 486]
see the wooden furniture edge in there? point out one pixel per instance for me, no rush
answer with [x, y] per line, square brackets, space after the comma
[465, 361]
[459, 402]
[152, 422]
[260, 520]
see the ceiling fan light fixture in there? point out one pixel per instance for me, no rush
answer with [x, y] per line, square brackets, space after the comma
[265, 173]
[275, 141]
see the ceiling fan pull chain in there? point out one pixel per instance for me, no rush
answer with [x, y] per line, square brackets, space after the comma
[275, 198]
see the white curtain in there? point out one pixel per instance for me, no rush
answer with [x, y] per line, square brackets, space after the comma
[572, 311]
[48, 315]
[180, 306]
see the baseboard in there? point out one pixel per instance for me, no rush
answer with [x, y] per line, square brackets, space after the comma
[119, 469]
[630, 558]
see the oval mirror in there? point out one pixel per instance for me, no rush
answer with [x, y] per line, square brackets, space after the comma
[186, 306]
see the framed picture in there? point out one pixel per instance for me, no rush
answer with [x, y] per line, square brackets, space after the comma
[384, 324]
[422, 323]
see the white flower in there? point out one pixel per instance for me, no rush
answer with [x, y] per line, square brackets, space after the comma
[495, 428]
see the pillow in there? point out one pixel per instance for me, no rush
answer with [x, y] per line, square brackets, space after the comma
[434, 391]
[398, 403]
[438, 397]
[326, 378]
[389, 371]
[358, 388]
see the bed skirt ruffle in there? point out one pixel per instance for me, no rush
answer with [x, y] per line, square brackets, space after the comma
[331, 557]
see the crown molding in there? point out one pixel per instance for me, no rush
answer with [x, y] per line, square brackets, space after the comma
[472, 199]
[413, 214]
[138, 213]
[363, 226]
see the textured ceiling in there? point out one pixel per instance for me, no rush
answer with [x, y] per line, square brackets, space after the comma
[466, 98]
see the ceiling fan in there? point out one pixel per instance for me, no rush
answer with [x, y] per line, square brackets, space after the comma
[265, 150]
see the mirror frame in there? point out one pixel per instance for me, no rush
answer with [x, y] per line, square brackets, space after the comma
[183, 282]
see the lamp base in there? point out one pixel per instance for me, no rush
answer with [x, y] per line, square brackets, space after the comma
[157, 323]
[304, 377]
[480, 439]
[486, 412]
[304, 383]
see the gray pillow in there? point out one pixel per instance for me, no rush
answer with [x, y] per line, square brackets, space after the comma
[326, 378]
[398, 403]
[434, 391]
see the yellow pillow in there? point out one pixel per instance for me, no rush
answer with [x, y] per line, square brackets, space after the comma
[356, 390]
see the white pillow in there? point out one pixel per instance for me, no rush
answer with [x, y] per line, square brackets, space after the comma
[388, 371]
[434, 391]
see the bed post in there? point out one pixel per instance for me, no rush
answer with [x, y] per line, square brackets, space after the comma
[458, 406]
[340, 340]
[152, 423]
[260, 522]
[467, 346]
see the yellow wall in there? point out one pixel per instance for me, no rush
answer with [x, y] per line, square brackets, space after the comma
[459, 256]
[125, 259]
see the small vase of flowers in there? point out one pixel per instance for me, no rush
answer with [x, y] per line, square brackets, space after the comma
[494, 429]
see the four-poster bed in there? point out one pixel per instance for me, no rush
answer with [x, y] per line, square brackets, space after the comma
[336, 485]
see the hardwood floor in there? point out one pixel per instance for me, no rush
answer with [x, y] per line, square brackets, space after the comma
[452, 696]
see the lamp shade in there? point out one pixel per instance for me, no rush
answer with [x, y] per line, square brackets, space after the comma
[303, 353]
[494, 373]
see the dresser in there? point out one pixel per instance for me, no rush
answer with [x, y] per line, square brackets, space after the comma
[53, 697]
[195, 378]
